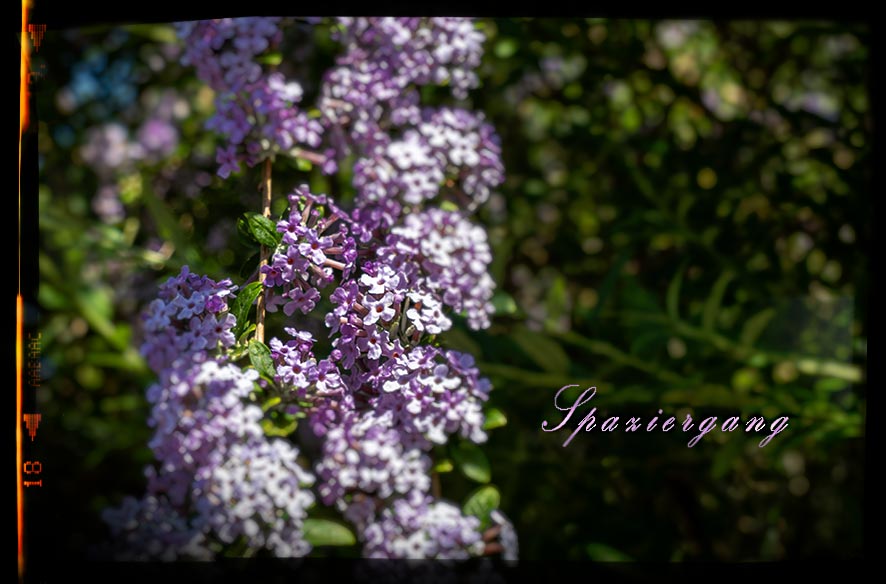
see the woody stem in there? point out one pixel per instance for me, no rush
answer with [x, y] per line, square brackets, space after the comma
[265, 252]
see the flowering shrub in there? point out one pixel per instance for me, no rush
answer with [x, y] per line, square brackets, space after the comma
[371, 407]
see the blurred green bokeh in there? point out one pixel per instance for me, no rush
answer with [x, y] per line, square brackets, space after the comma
[683, 225]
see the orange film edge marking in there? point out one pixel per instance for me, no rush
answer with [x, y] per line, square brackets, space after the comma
[19, 302]
[19, 310]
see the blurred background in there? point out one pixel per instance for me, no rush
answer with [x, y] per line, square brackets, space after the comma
[683, 225]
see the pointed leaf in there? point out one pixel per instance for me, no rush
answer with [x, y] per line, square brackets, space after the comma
[556, 303]
[281, 427]
[319, 532]
[712, 305]
[260, 357]
[249, 265]
[673, 295]
[755, 326]
[240, 306]
[544, 352]
[444, 465]
[261, 229]
[504, 303]
[481, 503]
[471, 461]
[495, 418]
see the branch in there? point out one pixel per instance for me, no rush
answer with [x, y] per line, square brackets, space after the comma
[266, 211]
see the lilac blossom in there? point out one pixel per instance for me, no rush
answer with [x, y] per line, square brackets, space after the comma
[222, 478]
[365, 454]
[434, 394]
[152, 529]
[223, 50]
[189, 316]
[451, 152]
[256, 111]
[392, 270]
[262, 120]
[443, 254]
[385, 58]
[418, 527]
[311, 248]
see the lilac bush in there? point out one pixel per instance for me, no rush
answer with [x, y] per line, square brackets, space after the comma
[380, 399]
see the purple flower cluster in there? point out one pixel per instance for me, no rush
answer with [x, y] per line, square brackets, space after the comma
[433, 394]
[443, 255]
[408, 155]
[221, 478]
[384, 396]
[298, 368]
[152, 529]
[452, 152]
[308, 253]
[261, 121]
[364, 454]
[256, 111]
[385, 59]
[418, 527]
[223, 50]
[189, 316]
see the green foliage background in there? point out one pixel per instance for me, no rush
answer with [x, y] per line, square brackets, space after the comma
[683, 226]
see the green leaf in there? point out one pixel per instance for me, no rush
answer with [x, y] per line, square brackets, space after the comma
[281, 425]
[121, 403]
[471, 461]
[712, 305]
[481, 503]
[830, 384]
[648, 341]
[603, 553]
[261, 229]
[673, 295]
[260, 357]
[155, 32]
[241, 340]
[128, 360]
[52, 299]
[240, 306]
[495, 418]
[556, 303]
[271, 403]
[244, 233]
[543, 351]
[504, 303]
[303, 165]
[270, 59]
[96, 306]
[444, 465]
[249, 265]
[608, 285]
[167, 225]
[755, 326]
[320, 532]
